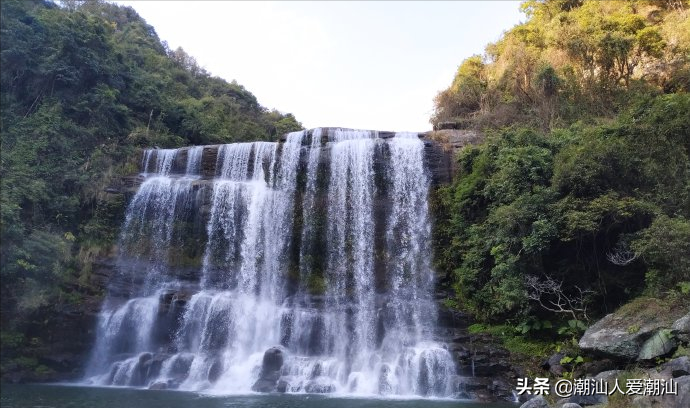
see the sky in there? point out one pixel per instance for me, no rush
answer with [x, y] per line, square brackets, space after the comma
[362, 65]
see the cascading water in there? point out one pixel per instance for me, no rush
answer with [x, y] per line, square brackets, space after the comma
[301, 266]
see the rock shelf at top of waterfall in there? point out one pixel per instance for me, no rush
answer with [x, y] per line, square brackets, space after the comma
[301, 266]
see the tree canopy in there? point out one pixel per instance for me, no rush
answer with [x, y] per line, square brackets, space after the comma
[578, 199]
[83, 85]
[569, 61]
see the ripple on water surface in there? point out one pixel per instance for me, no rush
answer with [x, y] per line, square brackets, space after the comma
[55, 396]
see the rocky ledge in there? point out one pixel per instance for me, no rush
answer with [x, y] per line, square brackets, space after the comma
[635, 342]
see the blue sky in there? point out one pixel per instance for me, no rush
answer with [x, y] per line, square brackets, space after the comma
[367, 65]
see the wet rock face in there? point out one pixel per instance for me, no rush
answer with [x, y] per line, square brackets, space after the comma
[270, 371]
[315, 387]
[441, 149]
[215, 371]
[484, 372]
[160, 385]
[273, 360]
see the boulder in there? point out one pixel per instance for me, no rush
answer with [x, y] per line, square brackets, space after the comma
[282, 386]
[553, 364]
[617, 337]
[536, 402]
[592, 368]
[483, 396]
[642, 401]
[474, 383]
[585, 400]
[681, 400]
[678, 367]
[608, 376]
[318, 387]
[159, 385]
[263, 385]
[273, 360]
[660, 344]
[681, 328]
[683, 397]
[180, 366]
[502, 389]
[461, 395]
[270, 371]
[150, 366]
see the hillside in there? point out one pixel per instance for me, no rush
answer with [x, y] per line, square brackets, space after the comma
[570, 61]
[83, 86]
[578, 199]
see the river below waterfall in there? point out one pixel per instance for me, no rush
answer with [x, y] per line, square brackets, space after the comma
[45, 396]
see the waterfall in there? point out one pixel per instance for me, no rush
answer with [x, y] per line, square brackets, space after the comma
[302, 266]
[193, 167]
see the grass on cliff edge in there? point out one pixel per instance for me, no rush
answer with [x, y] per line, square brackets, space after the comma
[665, 309]
[525, 351]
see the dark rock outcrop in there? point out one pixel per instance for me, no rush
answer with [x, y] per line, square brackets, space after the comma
[270, 371]
[553, 364]
[484, 371]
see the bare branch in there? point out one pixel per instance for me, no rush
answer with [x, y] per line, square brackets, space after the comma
[550, 296]
[621, 256]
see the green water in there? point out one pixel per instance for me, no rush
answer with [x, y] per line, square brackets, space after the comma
[55, 396]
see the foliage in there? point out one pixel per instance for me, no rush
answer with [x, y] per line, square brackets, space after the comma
[571, 362]
[664, 247]
[83, 85]
[525, 350]
[532, 209]
[573, 328]
[569, 61]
